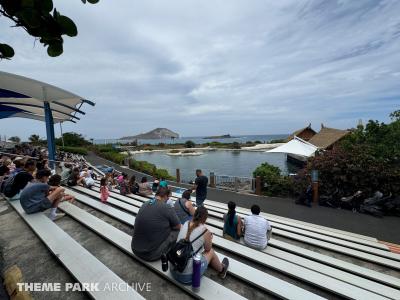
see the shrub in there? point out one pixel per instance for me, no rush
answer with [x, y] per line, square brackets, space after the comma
[148, 168]
[190, 144]
[348, 170]
[274, 183]
[75, 150]
[174, 151]
[235, 145]
[114, 156]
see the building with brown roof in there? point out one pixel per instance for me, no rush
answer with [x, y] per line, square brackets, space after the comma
[327, 137]
[305, 133]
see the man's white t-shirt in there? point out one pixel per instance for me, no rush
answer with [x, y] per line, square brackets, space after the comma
[255, 234]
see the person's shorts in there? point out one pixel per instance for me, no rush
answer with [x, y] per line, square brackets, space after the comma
[15, 197]
[38, 207]
[187, 278]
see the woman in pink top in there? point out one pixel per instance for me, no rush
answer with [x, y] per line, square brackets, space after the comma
[104, 193]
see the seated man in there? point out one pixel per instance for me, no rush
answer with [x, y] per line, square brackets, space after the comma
[256, 229]
[39, 196]
[17, 182]
[156, 228]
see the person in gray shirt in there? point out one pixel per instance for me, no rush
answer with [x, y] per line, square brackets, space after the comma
[39, 196]
[156, 228]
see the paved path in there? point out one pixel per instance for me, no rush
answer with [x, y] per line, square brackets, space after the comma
[385, 229]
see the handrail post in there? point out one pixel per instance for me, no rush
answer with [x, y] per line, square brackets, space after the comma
[212, 179]
[258, 185]
[178, 176]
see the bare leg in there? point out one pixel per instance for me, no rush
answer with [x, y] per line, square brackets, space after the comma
[56, 196]
[213, 260]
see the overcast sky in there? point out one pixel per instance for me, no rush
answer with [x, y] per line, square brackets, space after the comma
[213, 67]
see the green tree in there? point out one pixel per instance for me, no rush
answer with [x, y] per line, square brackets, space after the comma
[15, 139]
[395, 116]
[72, 139]
[34, 138]
[368, 159]
[190, 144]
[41, 20]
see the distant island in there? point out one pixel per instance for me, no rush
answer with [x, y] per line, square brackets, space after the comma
[224, 136]
[155, 134]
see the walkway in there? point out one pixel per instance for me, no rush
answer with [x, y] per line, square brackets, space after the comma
[385, 229]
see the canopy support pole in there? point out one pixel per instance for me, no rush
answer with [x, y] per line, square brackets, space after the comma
[62, 136]
[49, 131]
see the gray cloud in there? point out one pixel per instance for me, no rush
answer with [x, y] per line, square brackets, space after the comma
[208, 67]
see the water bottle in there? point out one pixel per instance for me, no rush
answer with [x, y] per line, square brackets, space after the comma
[196, 273]
[164, 262]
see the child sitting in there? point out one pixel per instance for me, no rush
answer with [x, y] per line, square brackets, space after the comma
[104, 192]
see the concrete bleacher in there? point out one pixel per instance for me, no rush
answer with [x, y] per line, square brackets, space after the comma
[273, 257]
[302, 261]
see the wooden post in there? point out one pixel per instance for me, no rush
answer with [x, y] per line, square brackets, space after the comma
[315, 184]
[258, 186]
[178, 175]
[236, 184]
[212, 180]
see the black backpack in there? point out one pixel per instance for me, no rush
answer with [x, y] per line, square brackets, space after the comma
[182, 251]
[7, 187]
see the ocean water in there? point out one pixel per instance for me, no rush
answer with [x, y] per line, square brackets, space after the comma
[221, 162]
[199, 139]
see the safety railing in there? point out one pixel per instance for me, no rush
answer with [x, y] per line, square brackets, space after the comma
[235, 183]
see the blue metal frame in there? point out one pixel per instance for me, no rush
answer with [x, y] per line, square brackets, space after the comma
[51, 143]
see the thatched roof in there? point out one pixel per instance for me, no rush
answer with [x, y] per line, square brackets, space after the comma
[327, 137]
[299, 132]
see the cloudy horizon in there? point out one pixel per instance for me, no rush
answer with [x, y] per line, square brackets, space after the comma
[216, 67]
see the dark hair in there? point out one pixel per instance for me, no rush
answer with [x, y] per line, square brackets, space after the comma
[162, 192]
[54, 180]
[198, 171]
[231, 211]
[124, 175]
[186, 194]
[144, 179]
[4, 170]
[19, 163]
[103, 181]
[200, 216]
[40, 164]
[133, 179]
[29, 163]
[255, 209]
[90, 168]
[43, 173]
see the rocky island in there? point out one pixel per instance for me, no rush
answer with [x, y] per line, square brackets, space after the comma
[224, 136]
[155, 134]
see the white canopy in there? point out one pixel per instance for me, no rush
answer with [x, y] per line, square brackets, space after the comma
[297, 146]
[24, 97]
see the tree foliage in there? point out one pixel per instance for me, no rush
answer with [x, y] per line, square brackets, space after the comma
[41, 20]
[34, 138]
[368, 159]
[15, 139]
[190, 144]
[72, 139]
[275, 184]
